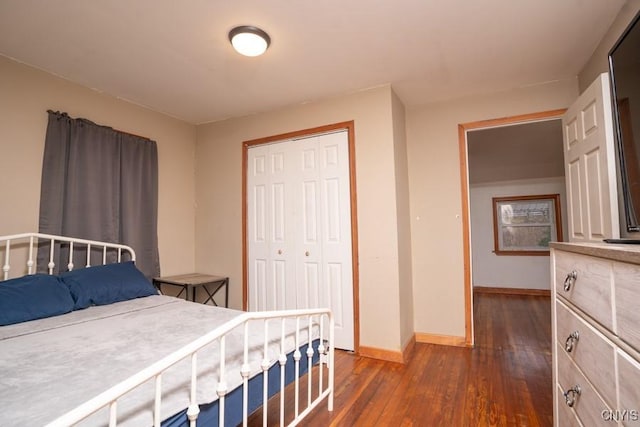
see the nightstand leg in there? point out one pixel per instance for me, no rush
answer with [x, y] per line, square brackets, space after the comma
[226, 293]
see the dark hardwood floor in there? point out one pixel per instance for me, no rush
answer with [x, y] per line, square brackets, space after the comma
[505, 380]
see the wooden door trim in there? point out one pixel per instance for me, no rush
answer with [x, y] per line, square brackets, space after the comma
[349, 126]
[463, 128]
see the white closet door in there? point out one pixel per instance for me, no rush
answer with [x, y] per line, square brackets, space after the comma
[270, 233]
[257, 222]
[310, 251]
[283, 241]
[325, 271]
[299, 228]
[335, 199]
[590, 165]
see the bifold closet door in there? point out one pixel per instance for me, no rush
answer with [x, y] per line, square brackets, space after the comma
[324, 270]
[270, 228]
[299, 228]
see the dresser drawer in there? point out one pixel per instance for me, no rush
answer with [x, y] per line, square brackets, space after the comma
[629, 383]
[591, 352]
[565, 416]
[588, 405]
[627, 283]
[591, 288]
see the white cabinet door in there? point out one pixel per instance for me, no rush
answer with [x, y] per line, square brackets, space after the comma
[299, 228]
[589, 157]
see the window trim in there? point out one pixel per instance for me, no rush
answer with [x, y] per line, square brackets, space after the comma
[556, 223]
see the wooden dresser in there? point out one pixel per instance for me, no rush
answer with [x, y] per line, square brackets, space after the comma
[596, 334]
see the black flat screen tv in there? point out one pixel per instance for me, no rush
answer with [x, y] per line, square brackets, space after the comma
[624, 71]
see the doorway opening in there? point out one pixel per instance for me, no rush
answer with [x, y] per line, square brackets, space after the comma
[492, 162]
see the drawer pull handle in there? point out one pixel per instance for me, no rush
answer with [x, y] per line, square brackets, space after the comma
[570, 280]
[571, 340]
[571, 395]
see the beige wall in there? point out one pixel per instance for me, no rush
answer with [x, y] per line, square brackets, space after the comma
[599, 61]
[25, 96]
[404, 220]
[434, 181]
[219, 187]
[489, 269]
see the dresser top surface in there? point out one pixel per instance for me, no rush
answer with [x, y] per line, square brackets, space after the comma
[617, 252]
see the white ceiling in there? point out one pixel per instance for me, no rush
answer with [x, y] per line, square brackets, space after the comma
[174, 56]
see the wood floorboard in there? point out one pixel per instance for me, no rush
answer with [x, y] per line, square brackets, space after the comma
[505, 380]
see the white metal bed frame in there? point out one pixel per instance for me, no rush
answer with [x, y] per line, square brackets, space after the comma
[35, 238]
[109, 398]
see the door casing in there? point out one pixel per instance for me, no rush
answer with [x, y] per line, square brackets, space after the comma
[466, 215]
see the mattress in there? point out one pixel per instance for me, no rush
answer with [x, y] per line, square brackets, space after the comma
[49, 366]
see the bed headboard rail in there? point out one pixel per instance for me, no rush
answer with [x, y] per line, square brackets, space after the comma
[31, 241]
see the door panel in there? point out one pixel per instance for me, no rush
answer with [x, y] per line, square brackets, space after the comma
[336, 288]
[310, 212]
[277, 213]
[332, 211]
[590, 165]
[277, 294]
[258, 292]
[259, 219]
[574, 196]
[593, 178]
[308, 296]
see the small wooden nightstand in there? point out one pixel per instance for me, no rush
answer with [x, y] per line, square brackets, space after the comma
[193, 281]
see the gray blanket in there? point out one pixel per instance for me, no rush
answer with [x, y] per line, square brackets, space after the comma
[50, 366]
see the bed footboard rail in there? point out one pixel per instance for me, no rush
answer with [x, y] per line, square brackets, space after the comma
[311, 326]
[30, 242]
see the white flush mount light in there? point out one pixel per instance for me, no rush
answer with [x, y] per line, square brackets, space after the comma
[249, 41]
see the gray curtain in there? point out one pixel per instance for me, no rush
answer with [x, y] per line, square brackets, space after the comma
[99, 184]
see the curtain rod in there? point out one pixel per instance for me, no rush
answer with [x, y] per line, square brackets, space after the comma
[104, 126]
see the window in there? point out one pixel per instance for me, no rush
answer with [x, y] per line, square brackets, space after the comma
[524, 225]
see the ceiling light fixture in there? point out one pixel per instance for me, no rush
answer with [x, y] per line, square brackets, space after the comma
[249, 41]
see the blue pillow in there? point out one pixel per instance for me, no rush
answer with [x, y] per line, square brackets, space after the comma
[106, 284]
[33, 297]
